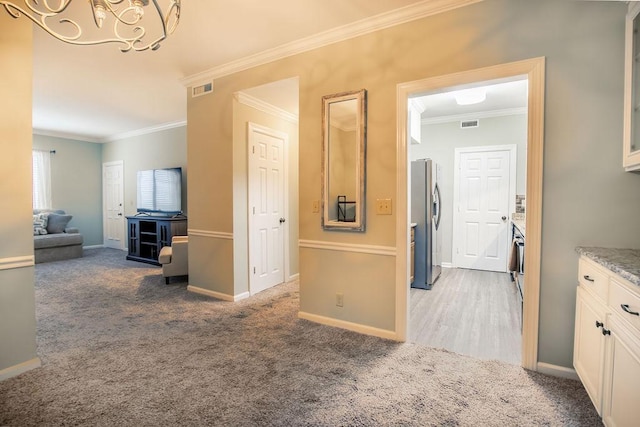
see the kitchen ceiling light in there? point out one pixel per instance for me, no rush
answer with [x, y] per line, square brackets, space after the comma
[475, 95]
[123, 17]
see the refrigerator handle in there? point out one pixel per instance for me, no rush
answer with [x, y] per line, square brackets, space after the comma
[436, 205]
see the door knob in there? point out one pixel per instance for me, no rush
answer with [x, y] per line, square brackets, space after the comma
[119, 213]
[504, 218]
[282, 220]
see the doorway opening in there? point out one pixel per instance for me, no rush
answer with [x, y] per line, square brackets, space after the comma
[265, 192]
[532, 73]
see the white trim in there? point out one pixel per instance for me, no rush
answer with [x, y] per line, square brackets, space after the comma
[294, 277]
[13, 371]
[456, 237]
[348, 247]
[265, 107]
[447, 265]
[144, 131]
[212, 234]
[365, 26]
[101, 246]
[17, 262]
[343, 324]
[218, 295]
[66, 135]
[534, 69]
[557, 371]
[472, 116]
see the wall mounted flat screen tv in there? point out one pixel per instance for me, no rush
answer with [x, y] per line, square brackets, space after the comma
[160, 191]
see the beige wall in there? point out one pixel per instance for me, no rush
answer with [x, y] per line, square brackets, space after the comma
[17, 300]
[583, 43]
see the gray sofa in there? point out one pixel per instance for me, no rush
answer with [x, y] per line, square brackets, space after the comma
[53, 240]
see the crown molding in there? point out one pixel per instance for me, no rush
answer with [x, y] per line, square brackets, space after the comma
[358, 28]
[144, 131]
[265, 107]
[65, 135]
[471, 116]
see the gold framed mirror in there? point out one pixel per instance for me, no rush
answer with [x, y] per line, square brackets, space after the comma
[344, 135]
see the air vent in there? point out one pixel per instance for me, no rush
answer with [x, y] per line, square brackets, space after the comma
[466, 124]
[201, 90]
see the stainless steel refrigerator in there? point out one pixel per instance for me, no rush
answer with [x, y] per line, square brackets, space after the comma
[426, 213]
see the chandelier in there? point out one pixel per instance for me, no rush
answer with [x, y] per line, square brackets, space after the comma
[123, 18]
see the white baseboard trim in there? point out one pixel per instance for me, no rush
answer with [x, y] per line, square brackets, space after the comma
[557, 371]
[218, 295]
[355, 327]
[20, 368]
[294, 277]
[94, 247]
[17, 262]
[447, 265]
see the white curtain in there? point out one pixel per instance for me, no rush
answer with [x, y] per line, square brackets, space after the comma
[41, 179]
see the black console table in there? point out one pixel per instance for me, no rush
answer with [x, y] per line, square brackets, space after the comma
[148, 234]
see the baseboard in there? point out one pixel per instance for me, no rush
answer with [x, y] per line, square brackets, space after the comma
[218, 295]
[355, 327]
[294, 277]
[447, 265]
[94, 247]
[18, 369]
[557, 371]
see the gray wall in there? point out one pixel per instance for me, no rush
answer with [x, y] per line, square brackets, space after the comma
[163, 149]
[76, 183]
[439, 142]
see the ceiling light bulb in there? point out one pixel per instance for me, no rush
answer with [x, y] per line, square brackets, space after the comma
[99, 12]
[470, 96]
[137, 8]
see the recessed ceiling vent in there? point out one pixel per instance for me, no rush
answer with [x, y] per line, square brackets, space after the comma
[202, 89]
[466, 124]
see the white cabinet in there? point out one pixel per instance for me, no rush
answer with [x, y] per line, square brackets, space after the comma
[621, 405]
[589, 343]
[607, 343]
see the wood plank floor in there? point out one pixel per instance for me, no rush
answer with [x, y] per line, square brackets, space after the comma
[470, 312]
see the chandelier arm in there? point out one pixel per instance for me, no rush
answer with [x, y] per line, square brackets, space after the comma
[40, 21]
[40, 11]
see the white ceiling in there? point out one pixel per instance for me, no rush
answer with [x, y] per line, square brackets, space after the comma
[97, 93]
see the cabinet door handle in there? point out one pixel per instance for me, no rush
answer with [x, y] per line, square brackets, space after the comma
[625, 307]
[586, 277]
[599, 324]
[606, 331]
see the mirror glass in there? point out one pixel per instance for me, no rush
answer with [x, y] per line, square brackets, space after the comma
[344, 140]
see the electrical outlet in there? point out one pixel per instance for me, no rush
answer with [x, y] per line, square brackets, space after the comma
[383, 206]
[340, 300]
[316, 206]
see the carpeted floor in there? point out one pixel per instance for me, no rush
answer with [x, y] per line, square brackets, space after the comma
[120, 348]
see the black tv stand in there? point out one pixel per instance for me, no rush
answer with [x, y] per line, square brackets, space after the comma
[147, 234]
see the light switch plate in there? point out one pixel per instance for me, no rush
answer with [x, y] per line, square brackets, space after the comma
[383, 206]
[315, 206]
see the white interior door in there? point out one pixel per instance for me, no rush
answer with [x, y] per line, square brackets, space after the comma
[485, 194]
[266, 207]
[113, 215]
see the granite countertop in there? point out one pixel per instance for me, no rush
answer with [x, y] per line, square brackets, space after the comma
[624, 262]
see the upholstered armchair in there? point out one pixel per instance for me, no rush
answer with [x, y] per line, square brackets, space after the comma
[174, 258]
